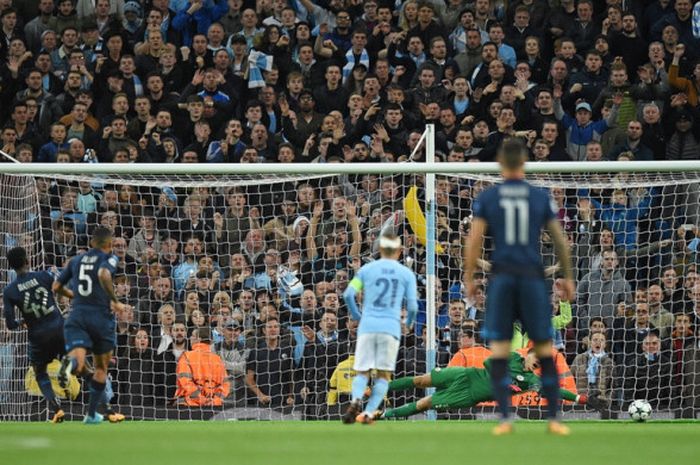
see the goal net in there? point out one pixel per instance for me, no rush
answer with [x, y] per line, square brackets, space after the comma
[261, 261]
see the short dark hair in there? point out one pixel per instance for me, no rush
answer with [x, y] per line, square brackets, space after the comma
[204, 334]
[17, 258]
[101, 235]
[512, 153]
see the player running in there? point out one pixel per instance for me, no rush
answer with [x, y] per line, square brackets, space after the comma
[385, 284]
[458, 387]
[30, 292]
[91, 324]
[513, 214]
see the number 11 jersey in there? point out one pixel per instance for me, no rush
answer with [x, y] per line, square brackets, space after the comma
[515, 213]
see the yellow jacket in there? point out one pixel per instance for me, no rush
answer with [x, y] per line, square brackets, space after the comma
[341, 380]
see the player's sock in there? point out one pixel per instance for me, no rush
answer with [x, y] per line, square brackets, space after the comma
[550, 386]
[403, 411]
[359, 383]
[96, 391]
[44, 383]
[379, 390]
[401, 384]
[500, 382]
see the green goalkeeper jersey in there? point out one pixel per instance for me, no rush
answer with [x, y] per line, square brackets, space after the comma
[524, 380]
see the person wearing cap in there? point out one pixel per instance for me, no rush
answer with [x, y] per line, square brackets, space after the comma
[201, 374]
[581, 129]
[684, 143]
[308, 120]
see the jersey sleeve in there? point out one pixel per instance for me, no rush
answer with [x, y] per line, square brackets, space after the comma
[551, 210]
[478, 207]
[357, 281]
[9, 311]
[411, 296]
[110, 264]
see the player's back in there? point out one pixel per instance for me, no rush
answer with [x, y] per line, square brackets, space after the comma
[385, 283]
[31, 294]
[515, 212]
[83, 275]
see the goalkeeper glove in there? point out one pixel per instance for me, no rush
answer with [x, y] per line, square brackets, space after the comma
[593, 402]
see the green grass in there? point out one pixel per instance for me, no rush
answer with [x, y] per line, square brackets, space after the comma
[291, 443]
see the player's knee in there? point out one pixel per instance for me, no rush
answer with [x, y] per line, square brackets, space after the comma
[384, 375]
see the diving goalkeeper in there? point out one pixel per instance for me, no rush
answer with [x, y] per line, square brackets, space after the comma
[458, 387]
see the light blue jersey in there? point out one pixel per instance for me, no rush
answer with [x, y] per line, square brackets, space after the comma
[386, 284]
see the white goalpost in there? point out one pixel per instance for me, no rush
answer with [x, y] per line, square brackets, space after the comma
[235, 247]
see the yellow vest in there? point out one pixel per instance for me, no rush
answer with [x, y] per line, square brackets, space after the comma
[341, 380]
[32, 386]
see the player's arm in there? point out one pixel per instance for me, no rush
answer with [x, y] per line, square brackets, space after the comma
[411, 299]
[472, 252]
[104, 275]
[59, 285]
[582, 399]
[9, 313]
[349, 295]
[561, 246]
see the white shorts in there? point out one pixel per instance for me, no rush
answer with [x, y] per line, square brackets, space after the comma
[376, 351]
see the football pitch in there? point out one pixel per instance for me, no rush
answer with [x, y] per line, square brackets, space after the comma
[398, 442]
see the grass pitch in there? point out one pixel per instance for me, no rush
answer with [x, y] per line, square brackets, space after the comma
[291, 443]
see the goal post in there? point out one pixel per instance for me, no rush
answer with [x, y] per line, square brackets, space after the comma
[233, 210]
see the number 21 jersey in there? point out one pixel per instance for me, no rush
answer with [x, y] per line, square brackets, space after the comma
[386, 285]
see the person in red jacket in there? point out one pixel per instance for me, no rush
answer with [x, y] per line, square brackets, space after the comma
[201, 374]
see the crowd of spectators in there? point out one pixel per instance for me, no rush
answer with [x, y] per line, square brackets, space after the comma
[254, 273]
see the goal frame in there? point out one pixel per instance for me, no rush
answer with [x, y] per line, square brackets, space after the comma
[429, 168]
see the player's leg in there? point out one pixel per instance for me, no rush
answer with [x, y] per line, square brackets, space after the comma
[386, 350]
[97, 387]
[44, 382]
[410, 382]
[500, 305]
[536, 316]
[364, 362]
[407, 410]
[77, 343]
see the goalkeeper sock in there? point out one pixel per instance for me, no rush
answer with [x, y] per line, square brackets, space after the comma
[550, 386]
[403, 411]
[44, 382]
[379, 390]
[96, 398]
[500, 382]
[401, 384]
[359, 383]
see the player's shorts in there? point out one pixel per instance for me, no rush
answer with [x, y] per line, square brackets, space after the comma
[376, 351]
[510, 298]
[46, 345]
[452, 388]
[90, 330]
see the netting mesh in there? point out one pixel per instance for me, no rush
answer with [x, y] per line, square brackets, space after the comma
[263, 261]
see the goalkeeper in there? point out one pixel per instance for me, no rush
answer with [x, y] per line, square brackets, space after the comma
[458, 387]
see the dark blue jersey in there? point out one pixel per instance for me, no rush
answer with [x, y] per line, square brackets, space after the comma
[81, 276]
[31, 294]
[515, 212]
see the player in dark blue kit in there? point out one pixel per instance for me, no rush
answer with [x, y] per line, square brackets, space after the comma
[30, 293]
[91, 325]
[513, 215]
